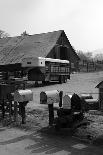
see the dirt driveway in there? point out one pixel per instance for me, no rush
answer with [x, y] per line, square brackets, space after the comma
[20, 141]
[79, 83]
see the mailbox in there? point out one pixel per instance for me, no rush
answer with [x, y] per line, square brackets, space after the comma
[67, 102]
[23, 95]
[92, 104]
[49, 97]
[86, 96]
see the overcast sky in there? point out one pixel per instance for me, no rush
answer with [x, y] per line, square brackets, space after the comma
[82, 20]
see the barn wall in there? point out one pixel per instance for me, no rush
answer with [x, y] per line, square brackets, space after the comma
[63, 50]
[71, 54]
[52, 54]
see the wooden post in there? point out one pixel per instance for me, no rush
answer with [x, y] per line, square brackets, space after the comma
[87, 66]
[15, 112]
[10, 98]
[61, 96]
[51, 114]
[3, 109]
[10, 109]
[23, 113]
[22, 106]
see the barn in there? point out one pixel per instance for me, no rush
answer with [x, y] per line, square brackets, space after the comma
[51, 45]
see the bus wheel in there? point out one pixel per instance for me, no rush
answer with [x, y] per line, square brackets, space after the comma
[65, 79]
[61, 80]
[43, 82]
[36, 84]
[47, 82]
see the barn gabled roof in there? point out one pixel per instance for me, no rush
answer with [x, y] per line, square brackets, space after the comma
[13, 49]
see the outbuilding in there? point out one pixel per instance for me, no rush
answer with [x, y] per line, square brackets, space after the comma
[100, 87]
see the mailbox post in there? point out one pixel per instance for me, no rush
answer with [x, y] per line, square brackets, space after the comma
[51, 97]
[22, 97]
[61, 97]
[15, 111]
[51, 114]
[22, 106]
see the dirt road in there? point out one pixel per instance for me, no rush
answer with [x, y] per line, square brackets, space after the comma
[79, 83]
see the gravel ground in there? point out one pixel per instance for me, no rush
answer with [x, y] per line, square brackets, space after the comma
[37, 120]
[37, 115]
[93, 131]
[79, 83]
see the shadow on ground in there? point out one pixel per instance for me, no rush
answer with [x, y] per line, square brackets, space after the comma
[49, 141]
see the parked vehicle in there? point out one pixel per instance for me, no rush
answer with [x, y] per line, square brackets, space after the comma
[47, 69]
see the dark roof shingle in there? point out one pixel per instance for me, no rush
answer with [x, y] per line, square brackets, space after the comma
[13, 49]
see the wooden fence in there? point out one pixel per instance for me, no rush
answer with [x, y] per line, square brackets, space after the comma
[89, 66]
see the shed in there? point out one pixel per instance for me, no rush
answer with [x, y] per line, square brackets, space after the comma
[51, 45]
[100, 87]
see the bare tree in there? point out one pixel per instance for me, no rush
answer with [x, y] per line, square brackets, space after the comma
[99, 57]
[81, 55]
[85, 55]
[3, 34]
[89, 55]
[24, 33]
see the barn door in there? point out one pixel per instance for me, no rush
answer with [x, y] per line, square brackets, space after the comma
[63, 53]
[101, 98]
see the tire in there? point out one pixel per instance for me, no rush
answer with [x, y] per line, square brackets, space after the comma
[61, 79]
[47, 82]
[43, 82]
[65, 79]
